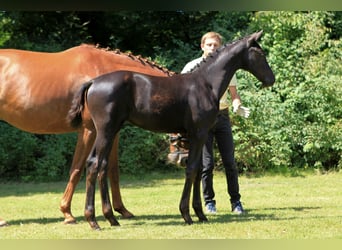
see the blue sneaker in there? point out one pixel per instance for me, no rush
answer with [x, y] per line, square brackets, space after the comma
[211, 209]
[237, 208]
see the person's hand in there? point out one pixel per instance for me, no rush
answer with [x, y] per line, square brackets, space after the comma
[243, 111]
[239, 109]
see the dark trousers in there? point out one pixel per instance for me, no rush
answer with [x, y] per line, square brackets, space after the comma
[222, 133]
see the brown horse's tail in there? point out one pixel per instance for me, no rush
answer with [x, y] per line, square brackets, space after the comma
[74, 117]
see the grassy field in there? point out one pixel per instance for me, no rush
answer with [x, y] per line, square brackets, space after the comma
[308, 206]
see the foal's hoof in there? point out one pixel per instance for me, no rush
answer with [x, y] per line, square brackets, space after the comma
[203, 219]
[95, 226]
[188, 221]
[114, 222]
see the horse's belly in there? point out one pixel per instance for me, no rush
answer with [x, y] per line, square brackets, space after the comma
[161, 125]
[47, 122]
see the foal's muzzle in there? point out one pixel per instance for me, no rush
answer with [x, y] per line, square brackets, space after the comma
[269, 81]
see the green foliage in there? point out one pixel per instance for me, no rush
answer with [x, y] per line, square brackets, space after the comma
[16, 152]
[44, 31]
[4, 36]
[296, 123]
[185, 46]
[141, 150]
[53, 158]
[29, 157]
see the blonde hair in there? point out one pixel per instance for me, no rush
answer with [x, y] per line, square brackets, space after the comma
[213, 35]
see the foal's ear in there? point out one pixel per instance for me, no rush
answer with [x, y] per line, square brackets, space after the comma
[254, 37]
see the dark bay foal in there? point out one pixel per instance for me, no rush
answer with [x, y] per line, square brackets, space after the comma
[186, 103]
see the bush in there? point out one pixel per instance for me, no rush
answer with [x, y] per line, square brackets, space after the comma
[141, 150]
[297, 122]
[17, 151]
[30, 157]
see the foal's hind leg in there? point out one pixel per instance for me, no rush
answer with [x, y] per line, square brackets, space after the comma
[106, 205]
[92, 172]
[97, 166]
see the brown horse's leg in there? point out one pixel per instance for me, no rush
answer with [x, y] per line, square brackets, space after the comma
[113, 174]
[84, 143]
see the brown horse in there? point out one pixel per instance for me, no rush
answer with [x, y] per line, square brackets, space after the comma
[186, 103]
[36, 91]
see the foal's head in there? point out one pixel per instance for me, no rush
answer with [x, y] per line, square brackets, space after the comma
[255, 62]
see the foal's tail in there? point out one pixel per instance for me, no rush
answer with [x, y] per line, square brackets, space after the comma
[74, 117]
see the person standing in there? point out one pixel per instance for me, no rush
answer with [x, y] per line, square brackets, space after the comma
[222, 133]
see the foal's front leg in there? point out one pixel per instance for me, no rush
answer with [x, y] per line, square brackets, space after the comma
[185, 199]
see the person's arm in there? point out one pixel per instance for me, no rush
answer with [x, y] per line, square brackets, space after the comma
[236, 101]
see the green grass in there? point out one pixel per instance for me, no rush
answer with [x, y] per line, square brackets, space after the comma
[308, 206]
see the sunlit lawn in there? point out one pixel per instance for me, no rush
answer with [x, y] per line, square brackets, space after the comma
[278, 207]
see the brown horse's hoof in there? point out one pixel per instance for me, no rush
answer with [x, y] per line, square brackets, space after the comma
[70, 221]
[3, 223]
[128, 216]
[124, 213]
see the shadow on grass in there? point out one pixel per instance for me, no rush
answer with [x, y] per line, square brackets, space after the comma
[41, 220]
[250, 215]
[176, 219]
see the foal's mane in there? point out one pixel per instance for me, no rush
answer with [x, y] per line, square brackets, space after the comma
[139, 58]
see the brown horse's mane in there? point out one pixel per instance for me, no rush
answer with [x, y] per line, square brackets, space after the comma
[142, 60]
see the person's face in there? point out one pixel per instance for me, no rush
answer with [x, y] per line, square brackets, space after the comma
[209, 46]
